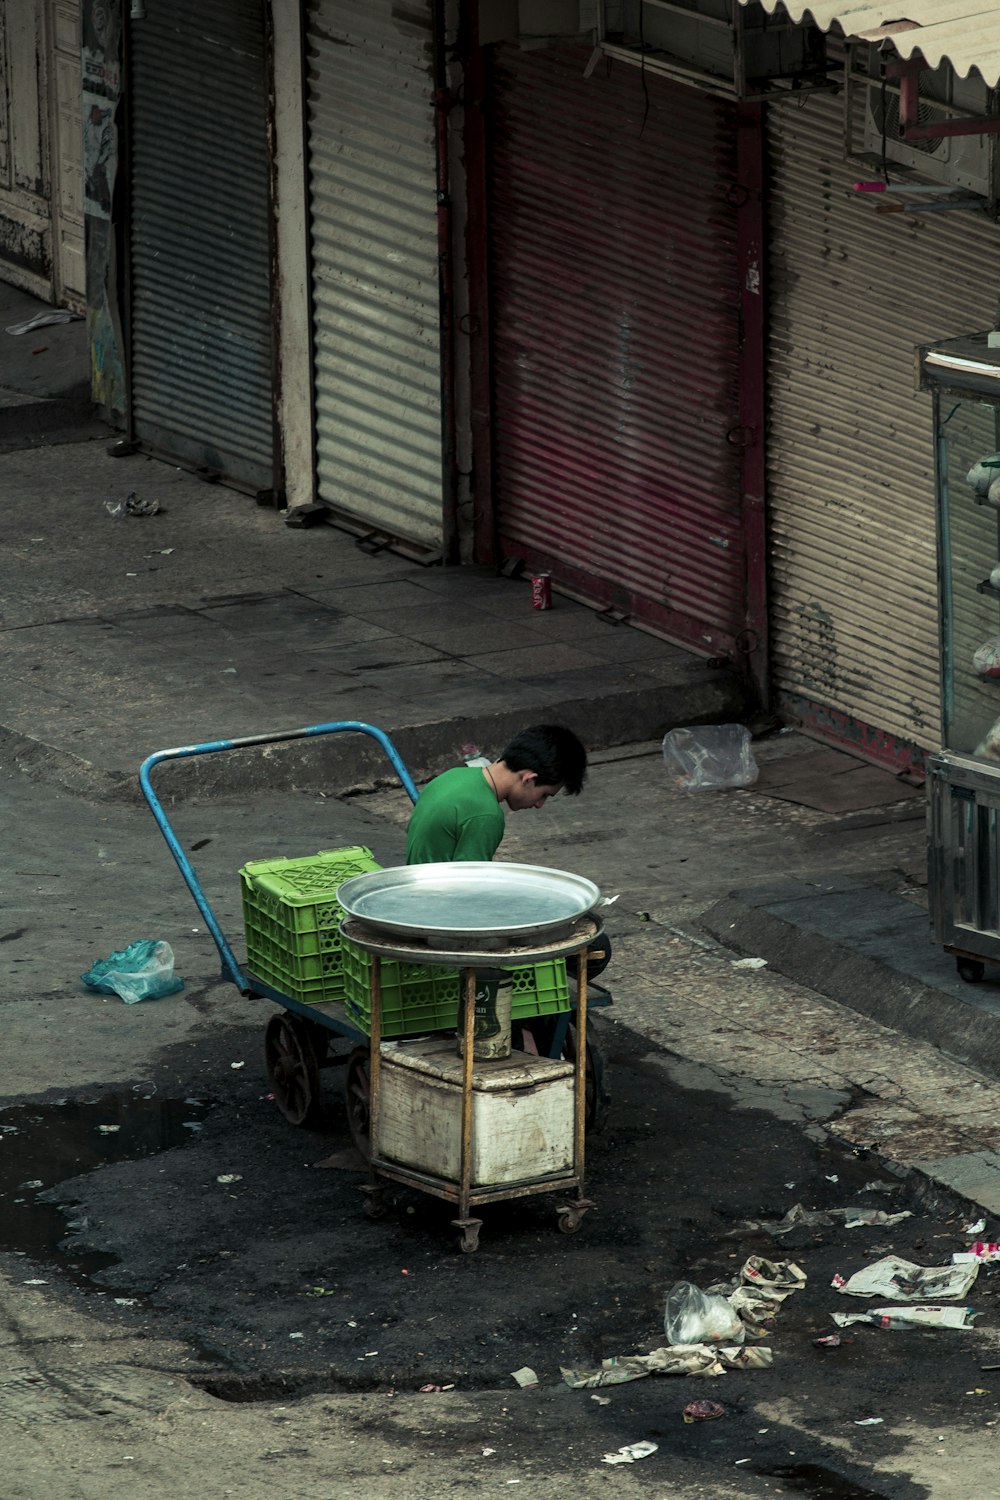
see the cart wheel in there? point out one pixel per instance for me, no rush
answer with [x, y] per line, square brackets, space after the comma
[292, 1069]
[570, 1219]
[970, 969]
[598, 1097]
[468, 1240]
[374, 1204]
[358, 1100]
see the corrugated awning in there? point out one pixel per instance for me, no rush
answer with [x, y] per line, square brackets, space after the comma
[965, 33]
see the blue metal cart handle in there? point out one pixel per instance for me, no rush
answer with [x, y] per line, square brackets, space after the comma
[210, 747]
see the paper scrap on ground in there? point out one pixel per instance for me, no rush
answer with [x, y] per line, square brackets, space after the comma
[677, 1359]
[982, 1250]
[799, 1217]
[43, 320]
[630, 1453]
[524, 1376]
[902, 1281]
[928, 1316]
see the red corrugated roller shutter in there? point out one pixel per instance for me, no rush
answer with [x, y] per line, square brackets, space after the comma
[615, 304]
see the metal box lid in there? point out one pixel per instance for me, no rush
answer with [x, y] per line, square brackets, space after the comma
[437, 1059]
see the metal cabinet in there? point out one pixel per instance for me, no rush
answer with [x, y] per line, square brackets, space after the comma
[963, 376]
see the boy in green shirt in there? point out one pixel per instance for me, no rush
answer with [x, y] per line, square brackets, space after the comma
[459, 815]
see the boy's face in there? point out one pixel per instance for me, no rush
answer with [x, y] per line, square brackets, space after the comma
[527, 792]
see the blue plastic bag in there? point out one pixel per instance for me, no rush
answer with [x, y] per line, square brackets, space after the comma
[142, 971]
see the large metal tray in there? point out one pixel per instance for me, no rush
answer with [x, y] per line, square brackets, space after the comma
[468, 901]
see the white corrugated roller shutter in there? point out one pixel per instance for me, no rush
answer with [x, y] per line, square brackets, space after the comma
[854, 598]
[376, 320]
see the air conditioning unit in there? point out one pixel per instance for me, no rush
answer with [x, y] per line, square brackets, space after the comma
[959, 161]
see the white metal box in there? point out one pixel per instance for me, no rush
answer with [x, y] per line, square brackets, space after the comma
[522, 1113]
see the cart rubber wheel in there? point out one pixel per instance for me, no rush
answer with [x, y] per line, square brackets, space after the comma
[468, 1240]
[374, 1204]
[598, 1096]
[358, 1100]
[970, 969]
[570, 1220]
[292, 1069]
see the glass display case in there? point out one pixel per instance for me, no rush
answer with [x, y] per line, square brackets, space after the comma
[963, 781]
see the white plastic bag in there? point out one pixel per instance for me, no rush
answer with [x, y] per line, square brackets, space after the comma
[696, 1317]
[983, 475]
[709, 757]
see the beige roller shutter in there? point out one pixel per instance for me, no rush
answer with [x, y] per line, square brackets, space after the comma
[854, 601]
[375, 265]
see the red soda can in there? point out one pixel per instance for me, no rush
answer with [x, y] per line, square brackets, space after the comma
[541, 591]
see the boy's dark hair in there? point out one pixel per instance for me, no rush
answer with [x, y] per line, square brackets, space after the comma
[553, 752]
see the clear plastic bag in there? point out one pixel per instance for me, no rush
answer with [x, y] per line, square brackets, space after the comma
[142, 971]
[692, 1316]
[709, 757]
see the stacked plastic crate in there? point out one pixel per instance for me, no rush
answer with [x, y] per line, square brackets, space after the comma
[294, 944]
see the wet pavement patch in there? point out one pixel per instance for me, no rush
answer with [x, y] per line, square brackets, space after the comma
[42, 1145]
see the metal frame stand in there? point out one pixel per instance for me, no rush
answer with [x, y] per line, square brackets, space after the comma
[461, 1191]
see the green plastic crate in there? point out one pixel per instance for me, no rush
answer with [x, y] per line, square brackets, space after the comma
[417, 998]
[291, 918]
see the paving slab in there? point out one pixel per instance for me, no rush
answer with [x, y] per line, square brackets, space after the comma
[871, 949]
[213, 620]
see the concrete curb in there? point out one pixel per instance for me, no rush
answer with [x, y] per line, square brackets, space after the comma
[943, 1014]
[346, 764]
[42, 762]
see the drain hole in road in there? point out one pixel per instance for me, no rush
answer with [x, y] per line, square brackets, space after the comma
[820, 1484]
[42, 1145]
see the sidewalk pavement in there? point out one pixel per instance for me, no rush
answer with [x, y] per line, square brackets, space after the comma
[212, 619]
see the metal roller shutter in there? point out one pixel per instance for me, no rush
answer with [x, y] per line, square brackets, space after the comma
[376, 318]
[854, 601]
[200, 285]
[615, 327]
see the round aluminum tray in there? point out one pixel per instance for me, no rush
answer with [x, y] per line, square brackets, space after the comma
[492, 954]
[468, 901]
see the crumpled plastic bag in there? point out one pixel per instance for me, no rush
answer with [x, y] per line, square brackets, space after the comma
[142, 971]
[694, 1317]
[709, 757]
[989, 745]
[986, 658]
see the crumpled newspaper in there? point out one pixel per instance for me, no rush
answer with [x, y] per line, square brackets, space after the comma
[903, 1281]
[800, 1217]
[910, 1317]
[674, 1359]
[758, 1290]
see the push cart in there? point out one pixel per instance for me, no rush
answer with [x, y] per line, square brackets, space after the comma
[527, 1134]
[298, 1038]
